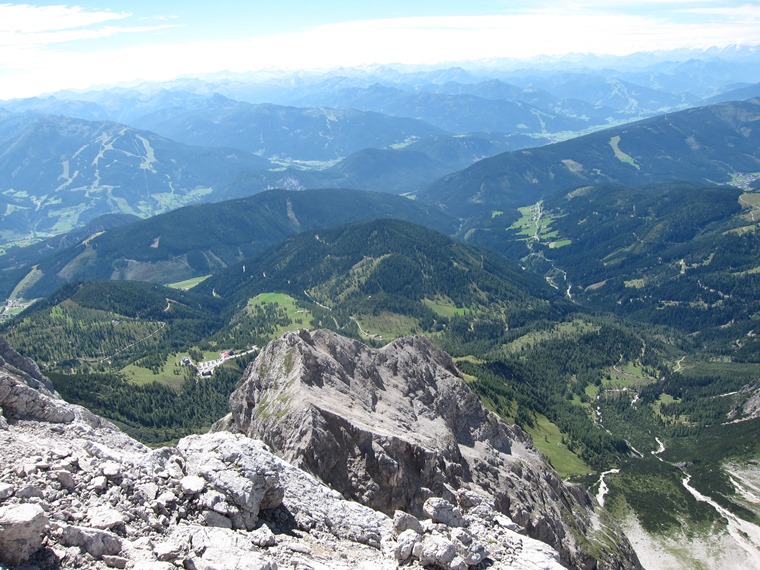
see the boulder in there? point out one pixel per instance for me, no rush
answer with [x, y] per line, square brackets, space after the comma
[192, 484]
[441, 511]
[238, 485]
[22, 529]
[96, 543]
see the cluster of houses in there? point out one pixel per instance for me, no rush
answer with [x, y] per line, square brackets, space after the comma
[206, 368]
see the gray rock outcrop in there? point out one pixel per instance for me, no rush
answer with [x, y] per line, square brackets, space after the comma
[75, 492]
[395, 427]
[21, 532]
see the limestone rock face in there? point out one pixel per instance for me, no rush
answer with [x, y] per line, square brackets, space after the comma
[23, 368]
[76, 492]
[21, 532]
[394, 427]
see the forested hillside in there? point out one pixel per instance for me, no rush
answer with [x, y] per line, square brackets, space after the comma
[200, 240]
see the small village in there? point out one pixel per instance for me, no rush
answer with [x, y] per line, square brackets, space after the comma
[206, 367]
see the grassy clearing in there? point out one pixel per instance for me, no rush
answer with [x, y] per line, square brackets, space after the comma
[536, 223]
[298, 316]
[387, 326]
[470, 358]
[188, 283]
[628, 375]
[469, 378]
[548, 439]
[30, 279]
[525, 223]
[444, 307]
[620, 155]
[663, 400]
[751, 199]
[168, 374]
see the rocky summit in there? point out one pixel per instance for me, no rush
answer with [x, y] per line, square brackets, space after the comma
[398, 427]
[415, 473]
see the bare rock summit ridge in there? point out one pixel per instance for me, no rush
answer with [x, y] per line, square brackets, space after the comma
[396, 427]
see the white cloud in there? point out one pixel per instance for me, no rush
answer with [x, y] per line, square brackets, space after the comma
[27, 19]
[24, 25]
[39, 51]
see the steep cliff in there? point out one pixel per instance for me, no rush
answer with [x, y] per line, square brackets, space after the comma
[394, 427]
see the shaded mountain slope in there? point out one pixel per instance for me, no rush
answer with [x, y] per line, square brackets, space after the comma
[388, 265]
[203, 239]
[708, 144]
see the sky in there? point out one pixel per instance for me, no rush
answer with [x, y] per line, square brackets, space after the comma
[49, 46]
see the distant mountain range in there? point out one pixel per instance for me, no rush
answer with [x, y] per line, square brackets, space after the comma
[313, 133]
[707, 145]
[68, 158]
[59, 173]
[713, 144]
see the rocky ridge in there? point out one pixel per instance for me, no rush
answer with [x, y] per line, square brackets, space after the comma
[75, 492]
[395, 427]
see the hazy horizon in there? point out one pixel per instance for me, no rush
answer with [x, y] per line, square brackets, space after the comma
[47, 46]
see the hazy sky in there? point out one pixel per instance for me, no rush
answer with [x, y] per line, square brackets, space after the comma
[47, 46]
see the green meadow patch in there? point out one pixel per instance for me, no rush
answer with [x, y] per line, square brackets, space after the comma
[536, 223]
[188, 283]
[549, 439]
[444, 307]
[297, 316]
[386, 326]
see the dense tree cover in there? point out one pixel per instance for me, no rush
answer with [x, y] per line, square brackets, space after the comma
[384, 265]
[546, 377]
[674, 254]
[153, 413]
[255, 325]
[536, 353]
[109, 324]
